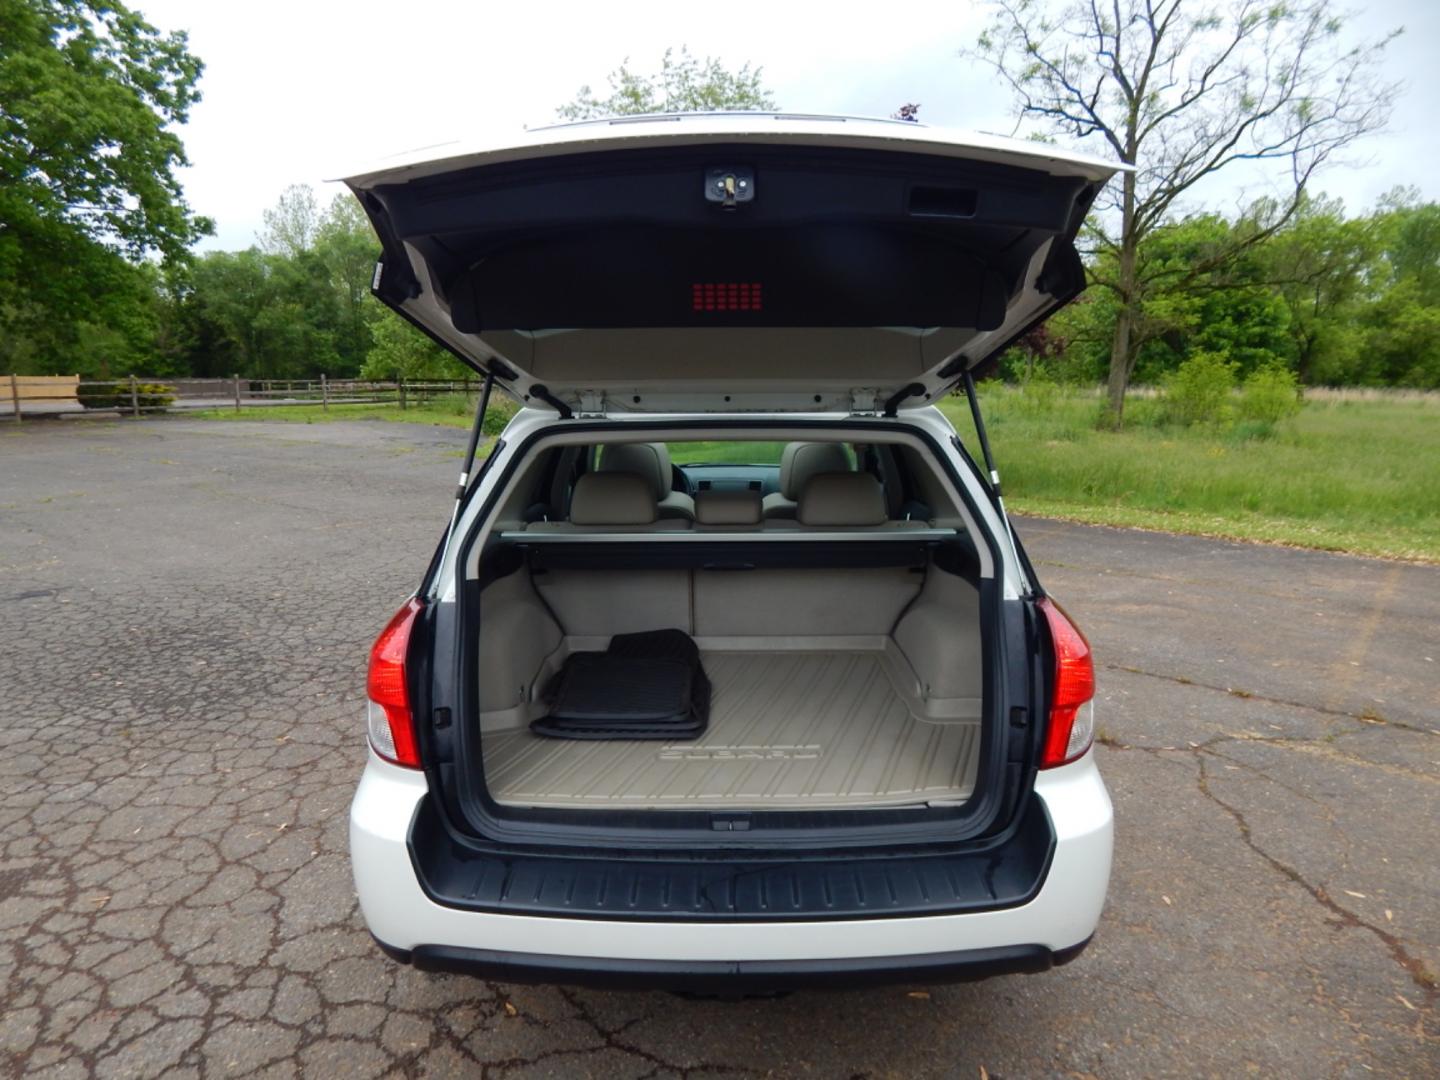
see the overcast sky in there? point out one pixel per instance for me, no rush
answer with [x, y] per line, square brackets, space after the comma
[296, 92]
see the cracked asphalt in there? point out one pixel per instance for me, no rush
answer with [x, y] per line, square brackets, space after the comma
[187, 607]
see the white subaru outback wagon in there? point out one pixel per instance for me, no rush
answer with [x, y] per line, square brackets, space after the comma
[729, 673]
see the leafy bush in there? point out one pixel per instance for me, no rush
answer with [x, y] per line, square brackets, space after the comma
[1140, 412]
[1198, 391]
[1039, 392]
[116, 395]
[498, 414]
[1269, 395]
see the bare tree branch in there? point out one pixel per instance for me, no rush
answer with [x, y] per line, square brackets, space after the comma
[1185, 90]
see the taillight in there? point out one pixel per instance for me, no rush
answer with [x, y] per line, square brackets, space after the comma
[392, 726]
[1072, 715]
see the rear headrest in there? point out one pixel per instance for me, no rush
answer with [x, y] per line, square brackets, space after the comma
[842, 498]
[650, 460]
[612, 498]
[728, 507]
[802, 460]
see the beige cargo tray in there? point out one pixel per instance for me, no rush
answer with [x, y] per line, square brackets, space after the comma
[788, 730]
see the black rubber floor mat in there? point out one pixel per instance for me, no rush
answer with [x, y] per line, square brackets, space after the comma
[644, 686]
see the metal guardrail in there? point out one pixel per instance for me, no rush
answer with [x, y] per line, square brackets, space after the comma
[37, 396]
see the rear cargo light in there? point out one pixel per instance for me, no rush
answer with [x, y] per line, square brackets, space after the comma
[392, 727]
[1072, 711]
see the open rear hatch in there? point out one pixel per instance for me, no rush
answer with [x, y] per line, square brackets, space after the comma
[731, 262]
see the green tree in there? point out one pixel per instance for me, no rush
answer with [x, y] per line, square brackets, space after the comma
[1230, 310]
[1410, 237]
[1388, 331]
[1399, 340]
[91, 96]
[1319, 265]
[402, 352]
[1184, 90]
[683, 84]
[260, 315]
[292, 223]
[296, 306]
[58, 281]
[91, 93]
[346, 245]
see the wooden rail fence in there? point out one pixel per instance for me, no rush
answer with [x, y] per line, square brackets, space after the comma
[34, 396]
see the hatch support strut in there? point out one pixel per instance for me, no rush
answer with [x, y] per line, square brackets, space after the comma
[476, 430]
[969, 380]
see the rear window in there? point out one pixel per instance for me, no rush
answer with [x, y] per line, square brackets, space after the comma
[732, 452]
[727, 453]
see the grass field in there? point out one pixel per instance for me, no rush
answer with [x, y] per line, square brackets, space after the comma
[1354, 473]
[1348, 474]
[449, 411]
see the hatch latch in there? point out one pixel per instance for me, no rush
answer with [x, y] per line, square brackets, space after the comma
[730, 822]
[592, 403]
[729, 186]
[864, 403]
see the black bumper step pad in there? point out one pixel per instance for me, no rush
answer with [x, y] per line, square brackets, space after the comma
[644, 686]
[1005, 871]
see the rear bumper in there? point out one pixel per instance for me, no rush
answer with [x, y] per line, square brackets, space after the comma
[741, 887]
[735, 976]
[732, 956]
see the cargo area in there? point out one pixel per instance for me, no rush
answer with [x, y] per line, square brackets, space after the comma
[835, 688]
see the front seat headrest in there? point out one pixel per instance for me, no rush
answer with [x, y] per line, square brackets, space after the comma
[612, 498]
[650, 460]
[802, 460]
[842, 498]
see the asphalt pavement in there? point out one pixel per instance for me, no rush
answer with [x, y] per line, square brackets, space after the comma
[187, 608]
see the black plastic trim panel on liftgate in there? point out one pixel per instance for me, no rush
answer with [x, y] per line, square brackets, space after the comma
[744, 888]
[736, 976]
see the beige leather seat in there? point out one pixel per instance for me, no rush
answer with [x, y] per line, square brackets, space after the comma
[652, 462]
[735, 511]
[799, 462]
[611, 502]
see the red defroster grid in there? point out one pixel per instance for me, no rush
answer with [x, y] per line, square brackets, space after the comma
[725, 296]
